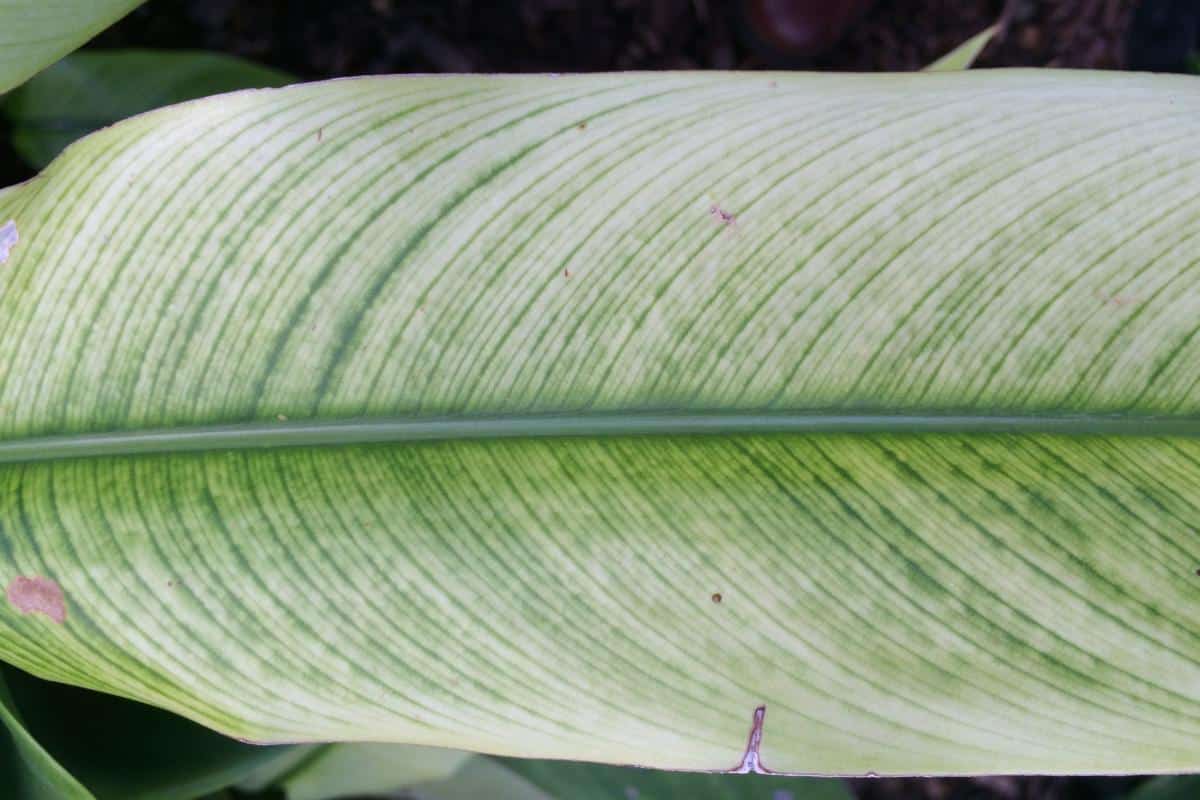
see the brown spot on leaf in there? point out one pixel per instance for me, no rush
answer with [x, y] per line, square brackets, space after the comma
[716, 598]
[566, 273]
[582, 126]
[38, 595]
[320, 134]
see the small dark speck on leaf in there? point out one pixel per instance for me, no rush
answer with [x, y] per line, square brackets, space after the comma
[582, 126]
[320, 134]
[566, 273]
[716, 598]
[1198, 572]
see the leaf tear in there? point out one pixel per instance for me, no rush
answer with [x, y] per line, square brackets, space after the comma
[38, 595]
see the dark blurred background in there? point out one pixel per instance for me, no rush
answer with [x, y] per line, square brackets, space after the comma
[315, 39]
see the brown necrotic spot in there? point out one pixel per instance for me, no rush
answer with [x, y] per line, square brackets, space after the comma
[38, 595]
[716, 598]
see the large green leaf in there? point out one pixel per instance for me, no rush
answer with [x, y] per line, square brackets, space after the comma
[582, 417]
[36, 33]
[91, 89]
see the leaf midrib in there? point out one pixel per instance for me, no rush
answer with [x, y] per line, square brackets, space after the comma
[334, 432]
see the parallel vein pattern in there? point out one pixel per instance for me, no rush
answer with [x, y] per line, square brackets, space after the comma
[504, 246]
[578, 418]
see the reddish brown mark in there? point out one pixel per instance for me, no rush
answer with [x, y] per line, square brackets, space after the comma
[320, 134]
[38, 595]
[716, 598]
[566, 273]
[722, 216]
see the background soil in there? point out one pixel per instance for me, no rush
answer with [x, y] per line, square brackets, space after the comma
[327, 38]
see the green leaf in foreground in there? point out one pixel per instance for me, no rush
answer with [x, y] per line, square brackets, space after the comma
[963, 56]
[92, 89]
[27, 771]
[36, 33]
[581, 417]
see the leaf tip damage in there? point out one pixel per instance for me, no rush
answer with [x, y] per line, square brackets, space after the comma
[38, 595]
[8, 239]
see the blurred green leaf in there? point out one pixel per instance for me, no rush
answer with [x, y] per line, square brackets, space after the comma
[271, 774]
[565, 780]
[27, 771]
[341, 770]
[483, 777]
[92, 89]
[963, 56]
[118, 749]
[1169, 787]
[519, 779]
[35, 33]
